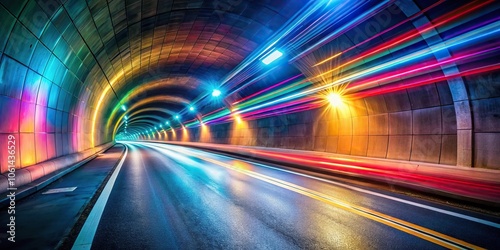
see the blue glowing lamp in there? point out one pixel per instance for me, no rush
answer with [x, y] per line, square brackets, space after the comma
[216, 93]
[272, 57]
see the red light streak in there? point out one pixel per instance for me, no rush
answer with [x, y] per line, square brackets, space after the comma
[430, 66]
[396, 87]
[444, 183]
[411, 34]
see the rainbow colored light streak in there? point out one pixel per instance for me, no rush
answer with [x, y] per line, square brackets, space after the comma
[482, 32]
[383, 75]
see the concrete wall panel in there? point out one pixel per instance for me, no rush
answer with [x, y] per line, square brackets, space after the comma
[484, 86]
[12, 77]
[358, 108]
[345, 126]
[400, 123]
[397, 101]
[427, 121]
[321, 128]
[333, 127]
[21, 44]
[424, 97]
[359, 145]
[9, 114]
[6, 26]
[399, 147]
[377, 146]
[448, 150]
[486, 150]
[444, 92]
[376, 105]
[486, 115]
[426, 148]
[449, 120]
[320, 143]
[378, 124]
[332, 144]
[360, 125]
[344, 144]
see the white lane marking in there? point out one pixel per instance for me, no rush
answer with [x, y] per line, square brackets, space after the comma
[435, 209]
[86, 235]
[59, 190]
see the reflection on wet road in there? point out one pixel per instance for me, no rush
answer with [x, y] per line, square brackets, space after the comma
[177, 197]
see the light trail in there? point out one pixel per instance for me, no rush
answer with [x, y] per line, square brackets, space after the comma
[482, 32]
[285, 96]
[402, 225]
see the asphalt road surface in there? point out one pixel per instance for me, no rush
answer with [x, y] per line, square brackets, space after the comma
[168, 197]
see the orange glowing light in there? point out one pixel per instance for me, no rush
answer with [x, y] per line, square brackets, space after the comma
[335, 99]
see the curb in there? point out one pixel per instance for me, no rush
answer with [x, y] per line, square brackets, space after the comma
[42, 180]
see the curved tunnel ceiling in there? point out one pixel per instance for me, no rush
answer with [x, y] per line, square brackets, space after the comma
[81, 72]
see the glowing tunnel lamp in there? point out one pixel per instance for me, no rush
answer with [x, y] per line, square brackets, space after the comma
[167, 123]
[238, 119]
[191, 108]
[124, 108]
[216, 93]
[335, 99]
[272, 57]
[177, 117]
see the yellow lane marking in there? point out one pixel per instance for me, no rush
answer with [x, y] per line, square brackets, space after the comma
[410, 228]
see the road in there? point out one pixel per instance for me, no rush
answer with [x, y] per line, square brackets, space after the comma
[167, 196]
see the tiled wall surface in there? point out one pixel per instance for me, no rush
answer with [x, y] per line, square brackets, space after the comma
[41, 84]
[395, 126]
[58, 57]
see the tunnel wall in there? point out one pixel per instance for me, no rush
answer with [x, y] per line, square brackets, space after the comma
[416, 124]
[52, 81]
[454, 123]
[52, 167]
[45, 101]
[484, 93]
[412, 125]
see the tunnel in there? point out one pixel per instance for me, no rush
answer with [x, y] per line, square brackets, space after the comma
[214, 124]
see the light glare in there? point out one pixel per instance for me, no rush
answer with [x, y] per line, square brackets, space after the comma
[216, 93]
[272, 57]
[335, 99]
